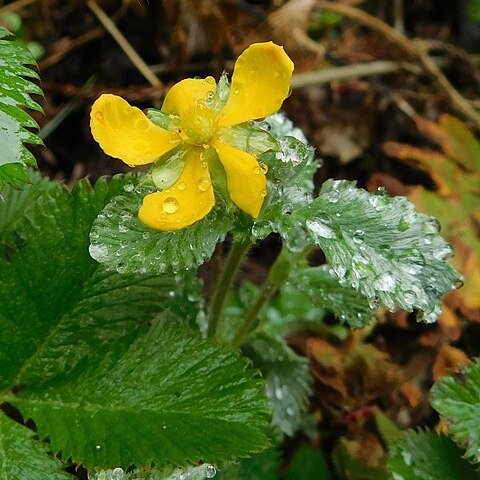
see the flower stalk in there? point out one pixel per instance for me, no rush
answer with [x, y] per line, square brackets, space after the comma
[224, 282]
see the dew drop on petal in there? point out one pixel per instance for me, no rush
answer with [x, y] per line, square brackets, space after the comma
[264, 167]
[99, 116]
[257, 170]
[204, 184]
[170, 205]
[236, 91]
[181, 186]
[263, 193]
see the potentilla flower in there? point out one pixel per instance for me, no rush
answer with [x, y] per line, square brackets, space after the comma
[194, 124]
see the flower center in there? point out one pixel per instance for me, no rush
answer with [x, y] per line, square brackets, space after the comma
[197, 124]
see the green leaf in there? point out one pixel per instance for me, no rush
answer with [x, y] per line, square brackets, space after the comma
[263, 466]
[428, 456]
[22, 457]
[457, 399]
[308, 464]
[15, 92]
[288, 380]
[166, 397]
[290, 182]
[320, 287]
[474, 10]
[57, 305]
[381, 247]
[120, 241]
[14, 202]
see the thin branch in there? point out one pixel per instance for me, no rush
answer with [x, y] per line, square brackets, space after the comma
[347, 72]
[12, 7]
[124, 44]
[413, 49]
[58, 55]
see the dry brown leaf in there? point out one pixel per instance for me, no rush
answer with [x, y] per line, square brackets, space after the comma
[448, 360]
[412, 393]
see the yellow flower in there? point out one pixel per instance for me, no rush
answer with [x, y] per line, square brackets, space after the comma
[260, 83]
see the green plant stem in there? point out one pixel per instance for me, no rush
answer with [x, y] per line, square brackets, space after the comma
[224, 282]
[277, 276]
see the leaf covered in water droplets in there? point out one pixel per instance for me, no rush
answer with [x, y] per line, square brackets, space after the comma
[428, 456]
[382, 247]
[290, 182]
[457, 399]
[120, 241]
[15, 93]
[288, 380]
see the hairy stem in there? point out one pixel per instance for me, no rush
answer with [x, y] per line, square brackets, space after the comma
[277, 276]
[224, 282]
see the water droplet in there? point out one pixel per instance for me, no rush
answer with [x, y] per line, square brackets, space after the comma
[278, 393]
[170, 205]
[99, 116]
[458, 283]
[236, 91]
[98, 447]
[128, 187]
[181, 186]
[98, 252]
[210, 471]
[320, 229]
[263, 193]
[358, 236]
[410, 297]
[374, 303]
[264, 167]
[257, 170]
[204, 164]
[204, 184]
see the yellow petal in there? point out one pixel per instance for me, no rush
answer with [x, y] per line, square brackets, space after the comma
[186, 94]
[246, 181]
[260, 84]
[124, 132]
[183, 204]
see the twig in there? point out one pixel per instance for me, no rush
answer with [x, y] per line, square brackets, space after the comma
[69, 108]
[124, 44]
[12, 7]
[55, 57]
[347, 72]
[413, 49]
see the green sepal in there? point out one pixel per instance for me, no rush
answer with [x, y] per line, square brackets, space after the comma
[160, 119]
[251, 138]
[166, 170]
